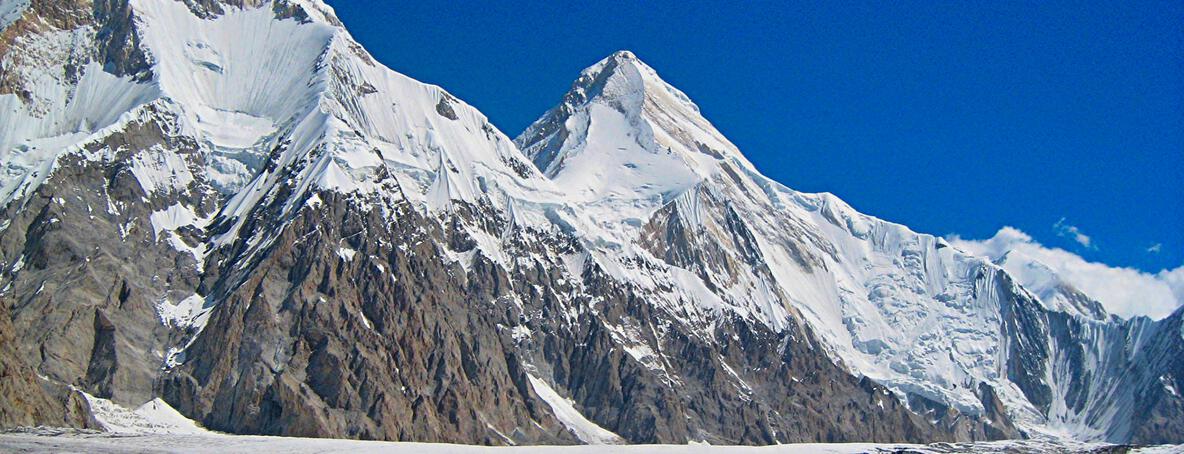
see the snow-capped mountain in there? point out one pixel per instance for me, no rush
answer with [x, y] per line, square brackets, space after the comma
[935, 324]
[231, 206]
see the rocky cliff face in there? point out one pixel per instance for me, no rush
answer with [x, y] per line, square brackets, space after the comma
[232, 206]
[29, 401]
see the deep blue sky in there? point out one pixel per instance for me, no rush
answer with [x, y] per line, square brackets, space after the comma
[950, 117]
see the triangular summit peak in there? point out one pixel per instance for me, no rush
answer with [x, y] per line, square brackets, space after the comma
[624, 81]
[622, 129]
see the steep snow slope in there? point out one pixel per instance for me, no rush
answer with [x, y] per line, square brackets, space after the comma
[906, 309]
[239, 83]
[650, 143]
[343, 119]
[243, 85]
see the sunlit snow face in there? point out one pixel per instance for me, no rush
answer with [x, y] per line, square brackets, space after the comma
[233, 65]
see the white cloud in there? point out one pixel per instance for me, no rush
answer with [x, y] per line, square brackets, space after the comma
[1122, 291]
[1175, 280]
[1073, 233]
[1155, 248]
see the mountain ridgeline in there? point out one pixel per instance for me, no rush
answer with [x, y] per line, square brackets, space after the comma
[232, 206]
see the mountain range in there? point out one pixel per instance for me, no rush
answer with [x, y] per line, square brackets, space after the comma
[231, 206]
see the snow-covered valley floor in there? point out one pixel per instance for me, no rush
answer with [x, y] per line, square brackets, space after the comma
[59, 440]
[156, 427]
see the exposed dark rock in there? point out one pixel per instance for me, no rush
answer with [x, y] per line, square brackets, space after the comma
[103, 358]
[84, 304]
[444, 107]
[26, 400]
[1158, 406]
[119, 41]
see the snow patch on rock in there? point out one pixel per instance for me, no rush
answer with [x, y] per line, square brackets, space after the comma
[154, 417]
[565, 410]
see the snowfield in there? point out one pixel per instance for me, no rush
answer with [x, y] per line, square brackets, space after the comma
[54, 440]
[157, 427]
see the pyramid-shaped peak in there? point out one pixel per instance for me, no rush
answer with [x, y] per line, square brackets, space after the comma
[624, 81]
[623, 55]
[618, 59]
[621, 61]
[621, 119]
[615, 61]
